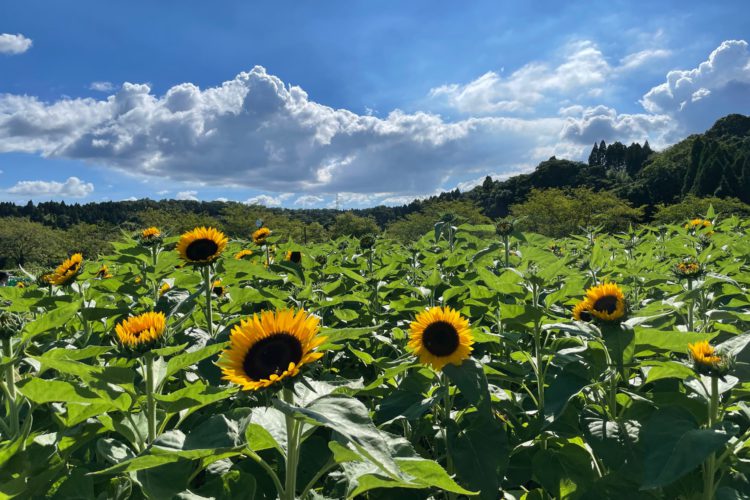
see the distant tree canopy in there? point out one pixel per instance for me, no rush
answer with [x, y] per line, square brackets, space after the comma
[416, 224]
[561, 212]
[693, 206]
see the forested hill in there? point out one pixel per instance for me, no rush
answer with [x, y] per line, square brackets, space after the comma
[715, 163]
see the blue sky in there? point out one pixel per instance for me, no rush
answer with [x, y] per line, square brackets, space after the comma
[289, 103]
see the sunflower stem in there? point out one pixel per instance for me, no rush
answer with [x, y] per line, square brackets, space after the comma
[446, 417]
[292, 448]
[271, 473]
[709, 468]
[150, 402]
[268, 256]
[209, 313]
[506, 244]
[690, 305]
[10, 381]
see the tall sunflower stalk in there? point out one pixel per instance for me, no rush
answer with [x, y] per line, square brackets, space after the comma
[139, 334]
[10, 324]
[266, 350]
[534, 285]
[606, 304]
[152, 239]
[201, 247]
[440, 336]
[707, 361]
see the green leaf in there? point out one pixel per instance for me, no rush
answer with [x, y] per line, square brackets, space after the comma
[479, 449]
[192, 397]
[472, 382]
[350, 418]
[57, 318]
[674, 445]
[565, 472]
[184, 360]
[651, 339]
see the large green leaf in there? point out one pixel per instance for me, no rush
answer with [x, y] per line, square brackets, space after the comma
[674, 445]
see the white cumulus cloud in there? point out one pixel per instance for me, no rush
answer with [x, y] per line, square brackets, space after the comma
[583, 69]
[717, 86]
[269, 201]
[309, 200]
[71, 188]
[14, 44]
[187, 195]
[257, 132]
[102, 86]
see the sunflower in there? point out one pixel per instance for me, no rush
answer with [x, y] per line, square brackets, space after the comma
[67, 271]
[607, 301]
[138, 280]
[151, 232]
[141, 330]
[149, 237]
[259, 236]
[295, 257]
[218, 289]
[202, 245]
[688, 268]
[20, 284]
[164, 289]
[269, 347]
[582, 311]
[440, 336]
[704, 226]
[103, 272]
[242, 254]
[706, 360]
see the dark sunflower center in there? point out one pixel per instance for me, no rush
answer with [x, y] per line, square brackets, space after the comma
[272, 355]
[440, 338]
[585, 316]
[295, 257]
[219, 290]
[201, 249]
[71, 268]
[607, 304]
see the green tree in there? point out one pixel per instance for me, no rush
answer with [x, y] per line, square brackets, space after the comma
[692, 206]
[349, 224]
[557, 212]
[26, 243]
[417, 224]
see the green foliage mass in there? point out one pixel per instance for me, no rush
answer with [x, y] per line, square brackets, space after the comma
[542, 407]
[558, 212]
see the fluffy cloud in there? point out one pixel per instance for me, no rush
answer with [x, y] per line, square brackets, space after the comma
[604, 123]
[256, 132]
[71, 188]
[309, 200]
[187, 195]
[638, 59]
[102, 86]
[269, 201]
[584, 68]
[696, 97]
[14, 44]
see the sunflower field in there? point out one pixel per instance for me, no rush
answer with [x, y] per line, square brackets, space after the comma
[477, 362]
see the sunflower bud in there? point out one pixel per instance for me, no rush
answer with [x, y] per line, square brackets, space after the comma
[688, 269]
[366, 242]
[504, 227]
[10, 324]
